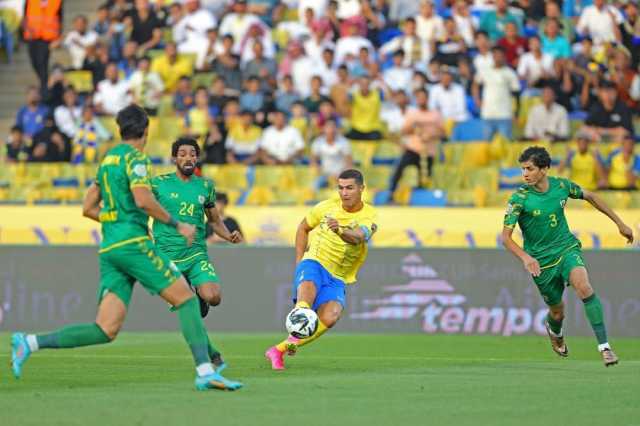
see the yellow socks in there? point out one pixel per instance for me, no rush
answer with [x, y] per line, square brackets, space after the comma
[302, 304]
[282, 346]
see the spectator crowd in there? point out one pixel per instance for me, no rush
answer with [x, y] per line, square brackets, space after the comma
[285, 81]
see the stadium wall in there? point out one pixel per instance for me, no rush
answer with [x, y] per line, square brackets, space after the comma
[399, 291]
[399, 226]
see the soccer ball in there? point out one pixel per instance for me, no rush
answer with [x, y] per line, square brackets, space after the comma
[301, 322]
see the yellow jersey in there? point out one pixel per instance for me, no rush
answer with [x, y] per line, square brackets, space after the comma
[341, 259]
[583, 168]
[618, 168]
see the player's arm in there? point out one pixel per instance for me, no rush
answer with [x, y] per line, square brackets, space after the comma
[599, 204]
[354, 236]
[91, 203]
[511, 217]
[146, 201]
[530, 264]
[302, 239]
[219, 228]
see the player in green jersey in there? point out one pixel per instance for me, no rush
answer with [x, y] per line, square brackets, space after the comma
[552, 254]
[191, 198]
[122, 201]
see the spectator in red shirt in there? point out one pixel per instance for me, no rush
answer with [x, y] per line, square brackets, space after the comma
[512, 44]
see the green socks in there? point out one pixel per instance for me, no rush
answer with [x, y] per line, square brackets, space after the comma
[555, 326]
[595, 315]
[73, 336]
[193, 330]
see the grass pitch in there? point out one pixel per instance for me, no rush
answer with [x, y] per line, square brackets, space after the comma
[147, 379]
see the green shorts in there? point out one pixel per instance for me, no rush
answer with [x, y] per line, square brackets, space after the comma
[138, 260]
[554, 277]
[197, 269]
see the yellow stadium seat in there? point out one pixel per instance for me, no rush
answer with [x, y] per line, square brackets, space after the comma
[485, 177]
[402, 196]
[377, 177]
[476, 154]
[171, 128]
[410, 178]
[82, 81]
[363, 152]
[304, 176]
[166, 106]
[388, 150]
[461, 197]
[498, 198]
[526, 103]
[260, 196]
[293, 196]
[274, 176]
[229, 176]
[616, 199]
[202, 79]
[446, 177]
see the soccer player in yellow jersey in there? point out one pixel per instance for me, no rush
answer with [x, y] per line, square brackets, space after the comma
[330, 260]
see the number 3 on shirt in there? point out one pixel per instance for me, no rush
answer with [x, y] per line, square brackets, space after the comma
[554, 220]
[186, 209]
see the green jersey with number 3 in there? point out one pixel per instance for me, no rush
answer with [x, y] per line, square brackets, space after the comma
[186, 201]
[123, 168]
[541, 219]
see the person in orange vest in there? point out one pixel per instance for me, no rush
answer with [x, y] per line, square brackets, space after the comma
[42, 29]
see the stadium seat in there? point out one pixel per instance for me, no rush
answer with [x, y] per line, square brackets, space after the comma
[476, 154]
[470, 130]
[446, 177]
[386, 153]
[202, 79]
[460, 198]
[510, 178]
[428, 198]
[293, 196]
[82, 81]
[260, 196]
[377, 177]
[228, 177]
[363, 152]
[483, 177]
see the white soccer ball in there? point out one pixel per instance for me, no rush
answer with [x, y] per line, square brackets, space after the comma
[301, 322]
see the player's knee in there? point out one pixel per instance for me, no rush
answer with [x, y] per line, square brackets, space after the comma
[211, 294]
[110, 330]
[329, 318]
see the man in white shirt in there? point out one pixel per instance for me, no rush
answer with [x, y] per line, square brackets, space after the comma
[68, 114]
[484, 58]
[351, 45]
[398, 76]
[78, 40]
[496, 107]
[415, 49]
[448, 98]
[393, 113]
[348, 9]
[238, 23]
[302, 69]
[600, 21]
[330, 153]
[147, 86]
[318, 6]
[535, 65]
[548, 120]
[281, 143]
[113, 94]
[430, 26]
[190, 33]
[465, 22]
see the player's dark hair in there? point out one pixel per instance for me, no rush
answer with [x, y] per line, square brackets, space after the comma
[352, 174]
[184, 141]
[132, 122]
[537, 155]
[221, 197]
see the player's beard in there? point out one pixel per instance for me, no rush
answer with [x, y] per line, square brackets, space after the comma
[187, 172]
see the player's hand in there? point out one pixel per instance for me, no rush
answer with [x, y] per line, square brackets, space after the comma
[333, 224]
[532, 266]
[626, 232]
[235, 237]
[187, 231]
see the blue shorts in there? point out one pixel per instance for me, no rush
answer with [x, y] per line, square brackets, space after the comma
[328, 288]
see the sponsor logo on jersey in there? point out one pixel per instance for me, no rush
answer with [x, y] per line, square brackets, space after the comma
[537, 212]
[174, 195]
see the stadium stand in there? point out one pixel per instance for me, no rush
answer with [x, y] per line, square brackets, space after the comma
[593, 75]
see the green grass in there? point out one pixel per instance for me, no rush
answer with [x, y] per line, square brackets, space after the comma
[147, 379]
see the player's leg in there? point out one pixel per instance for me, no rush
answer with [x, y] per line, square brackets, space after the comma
[550, 284]
[328, 315]
[159, 276]
[114, 296]
[579, 280]
[202, 277]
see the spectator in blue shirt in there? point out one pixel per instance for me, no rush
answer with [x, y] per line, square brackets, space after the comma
[31, 116]
[253, 98]
[553, 43]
